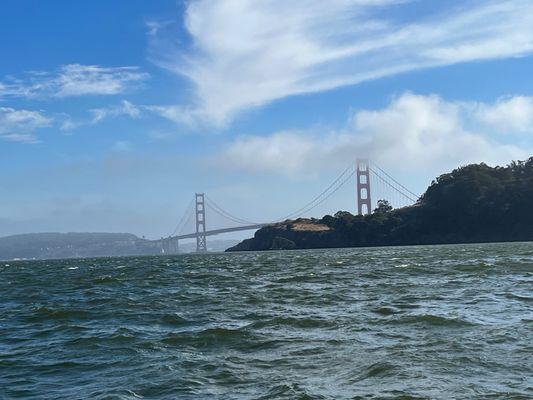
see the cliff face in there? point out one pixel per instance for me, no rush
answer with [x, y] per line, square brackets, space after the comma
[475, 203]
[291, 234]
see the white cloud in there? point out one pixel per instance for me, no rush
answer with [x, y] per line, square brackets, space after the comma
[509, 114]
[247, 53]
[286, 153]
[18, 125]
[73, 80]
[413, 132]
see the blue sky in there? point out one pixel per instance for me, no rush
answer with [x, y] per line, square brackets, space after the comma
[112, 114]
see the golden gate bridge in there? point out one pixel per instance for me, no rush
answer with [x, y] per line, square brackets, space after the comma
[371, 182]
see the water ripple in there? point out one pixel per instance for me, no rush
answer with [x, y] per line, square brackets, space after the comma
[433, 322]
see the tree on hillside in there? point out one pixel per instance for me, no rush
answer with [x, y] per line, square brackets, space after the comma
[383, 207]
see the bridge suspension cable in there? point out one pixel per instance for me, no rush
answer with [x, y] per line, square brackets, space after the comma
[416, 196]
[393, 184]
[184, 219]
[189, 220]
[339, 182]
[223, 213]
[325, 194]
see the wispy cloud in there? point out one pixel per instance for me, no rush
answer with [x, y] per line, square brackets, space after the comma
[98, 115]
[154, 26]
[412, 133]
[247, 53]
[73, 80]
[178, 114]
[125, 108]
[18, 125]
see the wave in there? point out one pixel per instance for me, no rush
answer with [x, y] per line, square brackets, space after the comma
[294, 322]
[45, 313]
[207, 337]
[386, 311]
[379, 369]
[514, 296]
[432, 320]
[174, 320]
[289, 391]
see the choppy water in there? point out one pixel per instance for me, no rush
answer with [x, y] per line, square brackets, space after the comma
[437, 322]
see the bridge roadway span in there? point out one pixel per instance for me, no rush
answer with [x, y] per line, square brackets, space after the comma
[219, 231]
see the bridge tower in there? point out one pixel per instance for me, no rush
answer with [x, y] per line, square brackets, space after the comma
[201, 243]
[364, 203]
[173, 245]
[169, 245]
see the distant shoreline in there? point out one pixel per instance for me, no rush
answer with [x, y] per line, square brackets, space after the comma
[264, 251]
[83, 245]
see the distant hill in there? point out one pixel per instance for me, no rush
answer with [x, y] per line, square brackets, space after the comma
[71, 245]
[475, 203]
[68, 245]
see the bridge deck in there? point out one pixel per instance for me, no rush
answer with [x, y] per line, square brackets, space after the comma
[219, 231]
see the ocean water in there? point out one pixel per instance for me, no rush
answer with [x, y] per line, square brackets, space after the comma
[428, 322]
